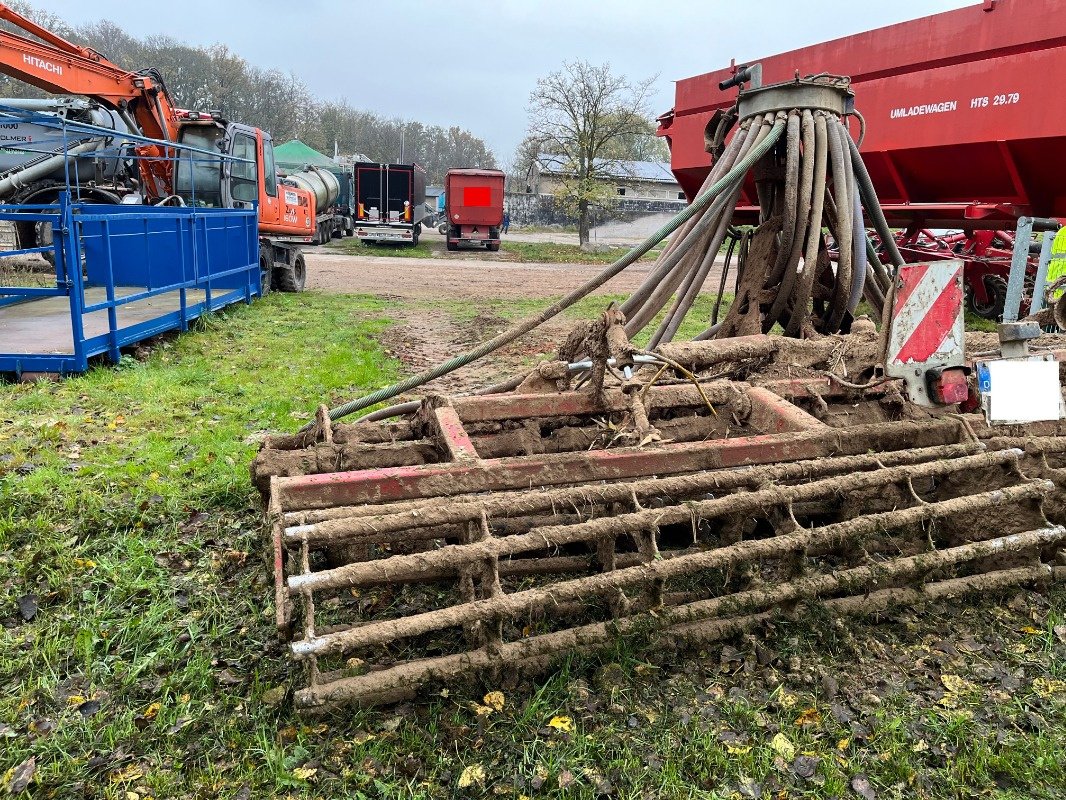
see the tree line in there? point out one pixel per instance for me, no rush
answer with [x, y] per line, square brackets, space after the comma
[215, 78]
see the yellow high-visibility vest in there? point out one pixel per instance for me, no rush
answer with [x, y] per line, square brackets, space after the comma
[1056, 268]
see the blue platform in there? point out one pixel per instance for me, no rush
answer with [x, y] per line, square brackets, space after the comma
[123, 273]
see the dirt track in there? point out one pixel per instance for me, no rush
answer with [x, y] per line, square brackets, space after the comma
[456, 278]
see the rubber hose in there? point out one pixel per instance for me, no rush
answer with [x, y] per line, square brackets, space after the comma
[873, 207]
[684, 302]
[505, 338]
[858, 240]
[649, 298]
[803, 210]
[661, 293]
[792, 175]
[805, 283]
[725, 273]
[663, 264]
[838, 306]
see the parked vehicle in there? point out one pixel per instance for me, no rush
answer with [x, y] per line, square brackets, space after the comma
[330, 182]
[390, 202]
[474, 207]
[143, 104]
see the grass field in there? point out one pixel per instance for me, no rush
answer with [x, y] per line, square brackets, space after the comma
[139, 660]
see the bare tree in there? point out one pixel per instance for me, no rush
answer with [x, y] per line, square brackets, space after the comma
[581, 113]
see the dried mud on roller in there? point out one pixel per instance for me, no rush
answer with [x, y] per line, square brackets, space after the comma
[686, 491]
[498, 533]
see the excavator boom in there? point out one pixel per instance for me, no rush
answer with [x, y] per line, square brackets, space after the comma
[61, 67]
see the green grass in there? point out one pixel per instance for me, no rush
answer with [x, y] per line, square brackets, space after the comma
[552, 253]
[355, 247]
[126, 508]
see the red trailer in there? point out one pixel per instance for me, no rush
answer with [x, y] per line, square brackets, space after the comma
[965, 119]
[964, 126]
[473, 204]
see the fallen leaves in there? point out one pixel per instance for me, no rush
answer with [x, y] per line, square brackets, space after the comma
[860, 784]
[809, 716]
[1045, 687]
[304, 773]
[781, 745]
[563, 724]
[494, 700]
[473, 774]
[19, 777]
[955, 686]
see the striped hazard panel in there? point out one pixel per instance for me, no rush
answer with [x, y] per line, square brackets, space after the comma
[927, 316]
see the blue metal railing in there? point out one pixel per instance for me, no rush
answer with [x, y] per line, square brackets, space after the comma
[194, 260]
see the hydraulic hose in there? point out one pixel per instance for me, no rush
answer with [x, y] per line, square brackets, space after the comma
[698, 206]
[869, 201]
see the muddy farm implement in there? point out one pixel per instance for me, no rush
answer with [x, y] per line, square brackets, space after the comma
[682, 491]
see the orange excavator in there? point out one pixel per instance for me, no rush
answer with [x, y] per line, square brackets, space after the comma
[142, 102]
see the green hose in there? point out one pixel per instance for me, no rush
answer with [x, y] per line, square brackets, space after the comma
[524, 327]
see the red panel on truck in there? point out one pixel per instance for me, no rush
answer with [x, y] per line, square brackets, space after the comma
[479, 196]
[961, 108]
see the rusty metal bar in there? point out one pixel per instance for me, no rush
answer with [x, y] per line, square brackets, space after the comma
[376, 523]
[453, 435]
[441, 480]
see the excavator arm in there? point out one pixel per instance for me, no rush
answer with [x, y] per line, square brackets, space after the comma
[61, 67]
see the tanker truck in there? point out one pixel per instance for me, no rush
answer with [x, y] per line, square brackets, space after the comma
[328, 179]
[325, 186]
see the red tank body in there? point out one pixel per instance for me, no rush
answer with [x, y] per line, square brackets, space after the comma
[965, 119]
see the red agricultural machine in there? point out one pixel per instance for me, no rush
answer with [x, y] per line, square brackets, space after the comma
[961, 128]
[473, 207]
[678, 473]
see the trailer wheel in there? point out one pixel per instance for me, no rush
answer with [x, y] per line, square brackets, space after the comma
[493, 247]
[452, 246]
[414, 236]
[266, 272]
[996, 287]
[442, 229]
[292, 279]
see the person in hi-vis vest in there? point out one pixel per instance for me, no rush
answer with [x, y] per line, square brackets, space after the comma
[1056, 268]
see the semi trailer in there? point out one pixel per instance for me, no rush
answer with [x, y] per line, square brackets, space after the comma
[390, 202]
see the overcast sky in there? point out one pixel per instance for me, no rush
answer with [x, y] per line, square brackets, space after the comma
[473, 64]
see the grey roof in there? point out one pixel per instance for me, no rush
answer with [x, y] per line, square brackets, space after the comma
[634, 170]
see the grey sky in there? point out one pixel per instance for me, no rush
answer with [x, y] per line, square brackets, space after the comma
[476, 62]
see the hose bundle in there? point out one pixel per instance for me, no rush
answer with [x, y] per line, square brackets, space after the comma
[809, 180]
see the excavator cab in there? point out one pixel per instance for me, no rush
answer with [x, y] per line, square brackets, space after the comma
[198, 176]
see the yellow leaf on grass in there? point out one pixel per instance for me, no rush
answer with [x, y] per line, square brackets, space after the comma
[84, 563]
[786, 700]
[843, 744]
[1031, 630]
[480, 710]
[304, 773]
[494, 700]
[738, 749]
[953, 683]
[75, 700]
[152, 711]
[564, 724]
[475, 773]
[127, 774]
[809, 716]
[1045, 687]
[783, 747]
